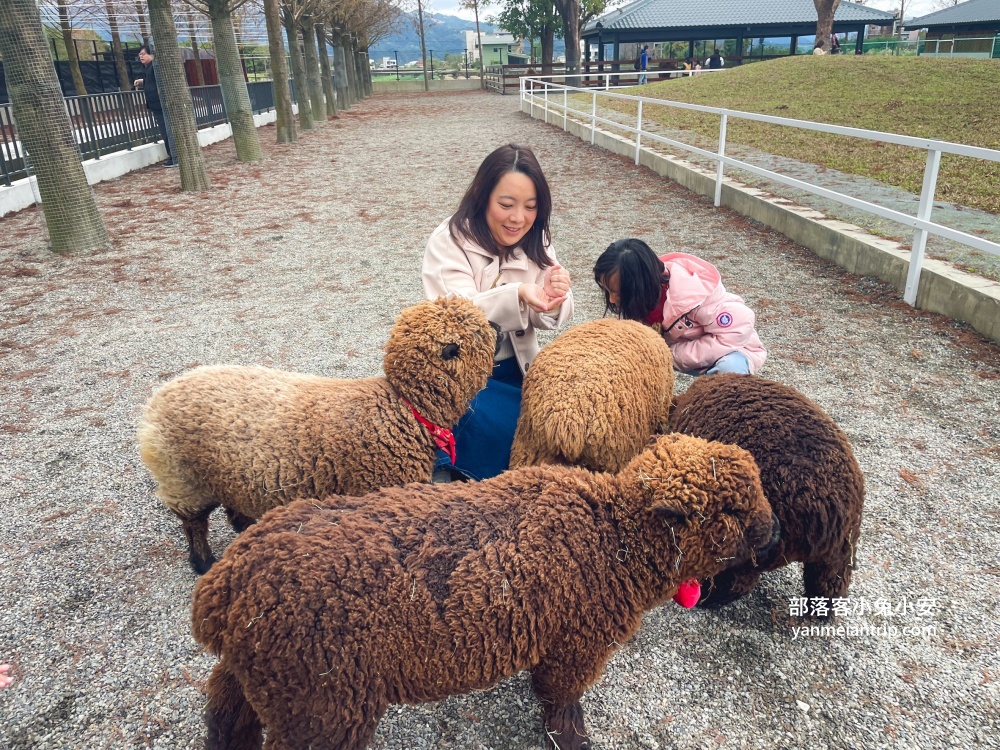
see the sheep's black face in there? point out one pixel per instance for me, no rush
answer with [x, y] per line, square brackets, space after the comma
[450, 352]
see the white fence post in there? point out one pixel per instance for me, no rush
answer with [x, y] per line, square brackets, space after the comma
[920, 236]
[593, 117]
[638, 132]
[722, 152]
[565, 107]
[546, 101]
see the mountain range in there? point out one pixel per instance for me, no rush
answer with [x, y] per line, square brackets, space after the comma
[443, 33]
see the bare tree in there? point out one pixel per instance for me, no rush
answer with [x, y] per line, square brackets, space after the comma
[311, 59]
[46, 133]
[423, 43]
[279, 73]
[291, 10]
[231, 77]
[176, 98]
[945, 4]
[326, 71]
[569, 10]
[62, 18]
[111, 21]
[199, 74]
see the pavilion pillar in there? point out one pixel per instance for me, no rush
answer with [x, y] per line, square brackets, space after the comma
[859, 47]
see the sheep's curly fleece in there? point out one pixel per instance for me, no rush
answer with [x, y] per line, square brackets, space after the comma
[594, 396]
[326, 612]
[250, 438]
[808, 470]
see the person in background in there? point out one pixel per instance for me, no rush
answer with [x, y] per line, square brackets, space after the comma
[643, 62]
[708, 329]
[716, 61]
[818, 49]
[496, 251]
[151, 88]
[834, 45]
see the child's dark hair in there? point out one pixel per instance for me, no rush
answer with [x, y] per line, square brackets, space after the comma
[640, 278]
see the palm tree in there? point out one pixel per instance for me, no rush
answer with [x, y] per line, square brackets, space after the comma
[46, 132]
[176, 98]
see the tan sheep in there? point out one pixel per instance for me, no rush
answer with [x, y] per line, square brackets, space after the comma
[251, 438]
[594, 396]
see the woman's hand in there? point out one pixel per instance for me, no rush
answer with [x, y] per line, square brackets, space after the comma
[535, 297]
[555, 283]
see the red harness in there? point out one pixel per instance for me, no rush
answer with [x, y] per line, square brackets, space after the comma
[443, 437]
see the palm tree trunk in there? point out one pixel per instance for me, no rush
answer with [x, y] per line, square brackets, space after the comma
[233, 85]
[311, 59]
[68, 204]
[285, 123]
[298, 71]
[199, 74]
[71, 53]
[325, 71]
[176, 98]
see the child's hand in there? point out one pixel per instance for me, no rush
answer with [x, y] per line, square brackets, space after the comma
[555, 283]
[535, 297]
[4, 679]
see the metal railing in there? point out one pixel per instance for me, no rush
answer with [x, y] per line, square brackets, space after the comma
[106, 123]
[554, 98]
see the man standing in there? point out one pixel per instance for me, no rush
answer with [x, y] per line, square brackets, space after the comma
[643, 61]
[716, 61]
[151, 88]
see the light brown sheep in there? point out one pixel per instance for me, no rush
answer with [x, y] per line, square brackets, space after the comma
[594, 396]
[327, 612]
[250, 438]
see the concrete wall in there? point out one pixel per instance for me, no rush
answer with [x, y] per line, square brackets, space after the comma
[413, 86]
[943, 289]
[21, 193]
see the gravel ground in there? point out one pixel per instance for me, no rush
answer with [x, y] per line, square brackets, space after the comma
[302, 263]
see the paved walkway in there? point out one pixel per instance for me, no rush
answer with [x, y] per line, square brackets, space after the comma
[302, 262]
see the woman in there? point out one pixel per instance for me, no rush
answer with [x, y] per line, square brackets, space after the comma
[496, 251]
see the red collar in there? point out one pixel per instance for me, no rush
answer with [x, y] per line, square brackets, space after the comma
[443, 437]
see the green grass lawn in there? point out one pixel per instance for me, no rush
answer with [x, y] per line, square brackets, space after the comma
[954, 100]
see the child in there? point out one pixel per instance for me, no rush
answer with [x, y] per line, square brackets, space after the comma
[709, 330]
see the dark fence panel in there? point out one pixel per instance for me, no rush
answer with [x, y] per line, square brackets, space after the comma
[209, 109]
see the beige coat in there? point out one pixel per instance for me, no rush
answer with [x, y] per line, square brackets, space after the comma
[468, 270]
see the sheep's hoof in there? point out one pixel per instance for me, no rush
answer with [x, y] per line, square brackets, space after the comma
[565, 727]
[201, 565]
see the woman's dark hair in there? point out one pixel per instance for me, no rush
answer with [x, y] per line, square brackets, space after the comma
[469, 220]
[640, 278]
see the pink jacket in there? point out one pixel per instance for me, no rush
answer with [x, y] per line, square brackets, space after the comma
[701, 320]
[470, 271]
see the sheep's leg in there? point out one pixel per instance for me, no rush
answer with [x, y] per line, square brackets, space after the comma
[231, 722]
[196, 531]
[730, 585]
[329, 728]
[559, 685]
[825, 580]
[238, 521]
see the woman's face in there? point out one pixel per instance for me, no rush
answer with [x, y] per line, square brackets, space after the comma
[512, 209]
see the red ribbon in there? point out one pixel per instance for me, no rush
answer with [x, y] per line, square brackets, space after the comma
[443, 437]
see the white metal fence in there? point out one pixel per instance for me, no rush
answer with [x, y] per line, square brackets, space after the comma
[554, 97]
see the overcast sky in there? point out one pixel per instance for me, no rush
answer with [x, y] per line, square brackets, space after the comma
[914, 8]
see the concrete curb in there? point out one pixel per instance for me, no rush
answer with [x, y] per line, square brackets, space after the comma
[943, 288]
[21, 193]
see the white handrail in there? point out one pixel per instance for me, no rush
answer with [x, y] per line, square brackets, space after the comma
[921, 223]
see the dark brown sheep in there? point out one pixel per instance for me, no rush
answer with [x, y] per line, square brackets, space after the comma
[326, 612]
[250, 438]
[808, 470]
[593, 397]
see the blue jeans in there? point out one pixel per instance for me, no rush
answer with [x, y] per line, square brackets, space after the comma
[733, 362]
[642, 77]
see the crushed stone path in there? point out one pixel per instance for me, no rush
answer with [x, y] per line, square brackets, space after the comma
[302, 262]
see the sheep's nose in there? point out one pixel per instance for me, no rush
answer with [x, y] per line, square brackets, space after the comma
[450, 351]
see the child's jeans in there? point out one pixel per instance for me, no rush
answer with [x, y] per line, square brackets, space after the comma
[734, 362]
